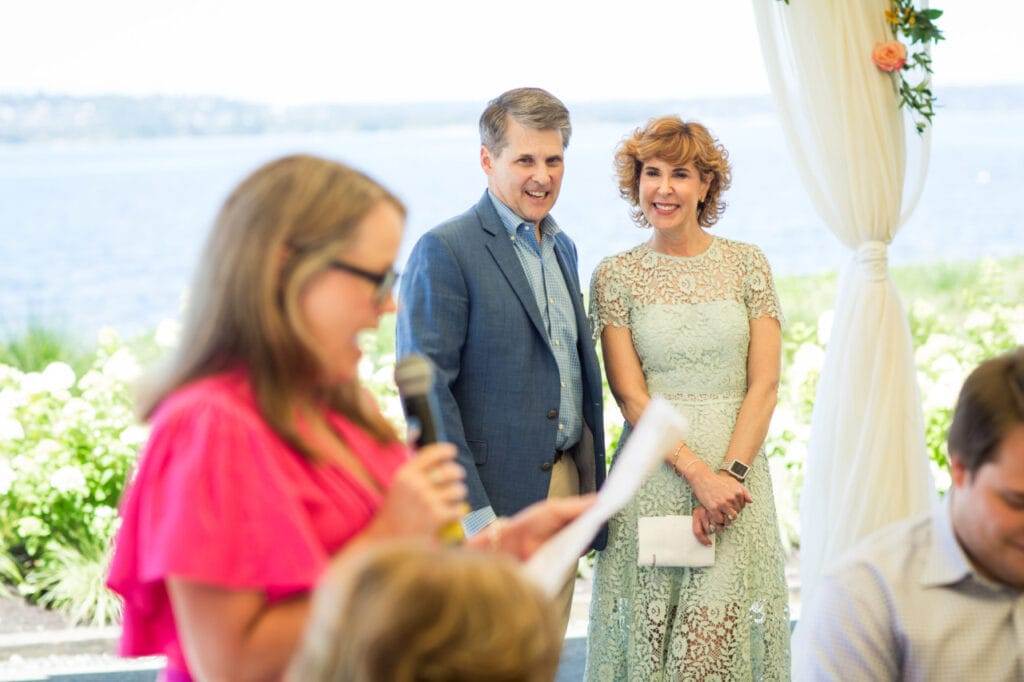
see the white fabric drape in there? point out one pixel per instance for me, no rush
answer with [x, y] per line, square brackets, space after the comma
[866, 463]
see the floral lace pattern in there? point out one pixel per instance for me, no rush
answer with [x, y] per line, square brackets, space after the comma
[689, 318]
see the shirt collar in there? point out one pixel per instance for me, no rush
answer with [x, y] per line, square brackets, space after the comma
[512, 221]
[947, 564]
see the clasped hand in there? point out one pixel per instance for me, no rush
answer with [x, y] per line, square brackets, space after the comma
[722, 498]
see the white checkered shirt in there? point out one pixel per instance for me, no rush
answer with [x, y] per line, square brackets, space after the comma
[906, 604]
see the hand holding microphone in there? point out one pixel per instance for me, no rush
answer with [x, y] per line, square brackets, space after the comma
[426, 494]
[414, 376]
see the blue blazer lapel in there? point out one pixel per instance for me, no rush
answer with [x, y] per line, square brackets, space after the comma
[567, 262]
[504, 255]
[568, 266]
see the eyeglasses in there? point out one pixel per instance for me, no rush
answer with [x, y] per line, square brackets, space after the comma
[383, 282]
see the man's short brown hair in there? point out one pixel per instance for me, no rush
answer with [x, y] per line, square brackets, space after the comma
[532, 108]
[991, 404]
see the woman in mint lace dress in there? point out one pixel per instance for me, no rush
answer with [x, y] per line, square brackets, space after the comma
[695, 319]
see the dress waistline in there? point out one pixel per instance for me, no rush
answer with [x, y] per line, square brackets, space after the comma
[702, 398]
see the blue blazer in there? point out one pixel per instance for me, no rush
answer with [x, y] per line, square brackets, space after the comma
[466, 304]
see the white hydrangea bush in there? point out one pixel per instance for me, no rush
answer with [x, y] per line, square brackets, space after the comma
[67, 444]
[948, 345]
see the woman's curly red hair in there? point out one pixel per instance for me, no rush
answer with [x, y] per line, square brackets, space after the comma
[678, 142]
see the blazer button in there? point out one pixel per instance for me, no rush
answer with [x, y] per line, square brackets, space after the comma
[546, 466]
[552, 414]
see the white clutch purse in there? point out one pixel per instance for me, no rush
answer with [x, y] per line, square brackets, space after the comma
[669, 541]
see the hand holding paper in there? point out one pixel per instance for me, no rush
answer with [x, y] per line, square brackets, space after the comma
[657, 430]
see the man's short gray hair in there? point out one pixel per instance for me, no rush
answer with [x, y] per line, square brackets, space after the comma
[532, 108]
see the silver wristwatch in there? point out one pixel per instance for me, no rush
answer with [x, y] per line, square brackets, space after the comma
[736, 469]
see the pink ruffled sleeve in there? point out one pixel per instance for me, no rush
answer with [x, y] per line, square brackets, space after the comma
[218, 508]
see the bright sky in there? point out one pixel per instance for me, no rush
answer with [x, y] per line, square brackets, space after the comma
[413, 50]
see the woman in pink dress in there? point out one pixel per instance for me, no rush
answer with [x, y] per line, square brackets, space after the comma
[265, 457]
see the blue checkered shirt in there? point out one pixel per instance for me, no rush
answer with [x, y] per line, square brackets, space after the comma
[552, 295]
[540, 265]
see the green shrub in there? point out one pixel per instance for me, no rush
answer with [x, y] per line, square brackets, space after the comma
[39, 346]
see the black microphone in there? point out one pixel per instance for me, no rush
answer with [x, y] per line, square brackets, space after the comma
[414, 375]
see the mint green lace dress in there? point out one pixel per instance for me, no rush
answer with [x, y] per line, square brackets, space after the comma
[689, 318]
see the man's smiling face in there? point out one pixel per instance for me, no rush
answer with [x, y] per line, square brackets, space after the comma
[988, 510]
[526, 175]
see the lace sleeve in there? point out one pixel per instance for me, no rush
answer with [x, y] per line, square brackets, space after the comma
[610, 299]
[759, 288]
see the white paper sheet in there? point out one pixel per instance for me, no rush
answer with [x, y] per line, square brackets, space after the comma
[658, 429]
[669, 541]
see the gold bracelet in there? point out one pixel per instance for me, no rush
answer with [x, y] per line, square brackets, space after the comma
[692, 462]
[675, 455]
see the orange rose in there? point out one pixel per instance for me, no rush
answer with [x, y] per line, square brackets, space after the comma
[889, 56]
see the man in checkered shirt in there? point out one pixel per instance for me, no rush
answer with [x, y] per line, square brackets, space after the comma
[938, 597]
[493, 298]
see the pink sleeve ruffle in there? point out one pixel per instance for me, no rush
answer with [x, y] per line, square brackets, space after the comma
[212, 504]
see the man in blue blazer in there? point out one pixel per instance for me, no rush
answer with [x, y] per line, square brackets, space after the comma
[493, 298]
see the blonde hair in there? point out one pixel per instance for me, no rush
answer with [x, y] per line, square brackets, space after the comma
[275, 231]
[411, 612]
[677, 142]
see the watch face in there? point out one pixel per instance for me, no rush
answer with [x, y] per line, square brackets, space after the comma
[739, 468]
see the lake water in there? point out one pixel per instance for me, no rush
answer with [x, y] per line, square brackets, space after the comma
[107, 232]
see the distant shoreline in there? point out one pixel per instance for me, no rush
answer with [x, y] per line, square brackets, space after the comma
[49, 117]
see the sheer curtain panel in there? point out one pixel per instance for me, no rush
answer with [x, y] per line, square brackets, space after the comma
[867, 464]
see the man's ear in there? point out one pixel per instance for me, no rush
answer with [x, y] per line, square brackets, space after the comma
[958, 472]
[486, 161]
